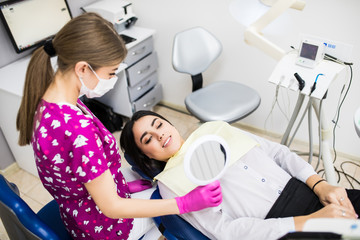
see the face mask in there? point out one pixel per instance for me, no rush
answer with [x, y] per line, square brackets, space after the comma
[103, 86]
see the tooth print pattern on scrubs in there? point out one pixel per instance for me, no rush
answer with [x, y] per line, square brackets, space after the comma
[72, 148]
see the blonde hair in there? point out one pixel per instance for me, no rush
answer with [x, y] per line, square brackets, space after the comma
[87, 37]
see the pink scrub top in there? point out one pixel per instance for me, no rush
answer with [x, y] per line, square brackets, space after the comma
[72, 147]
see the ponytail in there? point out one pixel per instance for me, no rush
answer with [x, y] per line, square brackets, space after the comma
[87, 37]
[39, 75]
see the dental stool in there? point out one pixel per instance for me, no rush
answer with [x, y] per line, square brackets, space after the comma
[194, 50]
[22, 223]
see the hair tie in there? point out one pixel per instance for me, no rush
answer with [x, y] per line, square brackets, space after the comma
[321, 180]
[49, 48]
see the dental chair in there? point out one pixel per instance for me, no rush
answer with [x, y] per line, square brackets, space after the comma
[22, 223]
[173, 227]
[194, 50]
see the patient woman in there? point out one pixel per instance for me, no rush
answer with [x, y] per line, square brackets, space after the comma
[268, 190]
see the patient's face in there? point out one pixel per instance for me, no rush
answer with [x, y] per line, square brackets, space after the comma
[156, 138]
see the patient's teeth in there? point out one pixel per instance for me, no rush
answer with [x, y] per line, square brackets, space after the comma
[166, 142]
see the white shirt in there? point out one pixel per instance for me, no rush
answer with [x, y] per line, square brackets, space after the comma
[250, 187]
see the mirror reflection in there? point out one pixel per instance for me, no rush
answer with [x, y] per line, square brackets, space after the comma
[208, 160]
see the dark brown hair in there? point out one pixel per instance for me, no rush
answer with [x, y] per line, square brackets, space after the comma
[148, 166]
[87, 37]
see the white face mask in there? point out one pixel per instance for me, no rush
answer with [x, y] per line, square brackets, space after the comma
[103, 86]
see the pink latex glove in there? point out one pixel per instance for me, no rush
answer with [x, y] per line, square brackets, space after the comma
[139, 185]
[200, 198]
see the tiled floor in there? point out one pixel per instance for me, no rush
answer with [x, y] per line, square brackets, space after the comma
[36, 196]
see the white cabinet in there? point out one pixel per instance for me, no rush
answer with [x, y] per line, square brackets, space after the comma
[137, 87]
[12, 79]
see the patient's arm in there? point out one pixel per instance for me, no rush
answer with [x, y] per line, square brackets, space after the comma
[219, 225]
[299, 168]
[330, 194]
[286, 159]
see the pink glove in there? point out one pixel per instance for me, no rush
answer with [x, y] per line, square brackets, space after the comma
[139, 185]
[200, 198]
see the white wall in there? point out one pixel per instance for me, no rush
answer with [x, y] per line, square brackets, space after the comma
[332, 19]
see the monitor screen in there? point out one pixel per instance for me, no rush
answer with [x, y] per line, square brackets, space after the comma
[30, 22]
[309, 51]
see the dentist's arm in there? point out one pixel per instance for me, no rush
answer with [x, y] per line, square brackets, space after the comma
[103, 191]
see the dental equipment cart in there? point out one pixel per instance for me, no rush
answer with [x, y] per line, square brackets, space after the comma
[321, 76]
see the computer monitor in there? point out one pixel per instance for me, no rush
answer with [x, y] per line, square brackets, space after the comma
[30, 22]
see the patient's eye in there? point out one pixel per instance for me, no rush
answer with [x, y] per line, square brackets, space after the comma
[159, 126]
[148, 140]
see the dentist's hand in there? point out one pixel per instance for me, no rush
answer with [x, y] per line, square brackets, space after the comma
[139, 185]
[200, 198]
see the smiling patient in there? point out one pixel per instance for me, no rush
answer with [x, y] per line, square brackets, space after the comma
[268, 190]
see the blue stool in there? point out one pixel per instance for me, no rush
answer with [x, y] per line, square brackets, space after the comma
[21, 222]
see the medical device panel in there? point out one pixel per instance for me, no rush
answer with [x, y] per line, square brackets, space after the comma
[310, 53]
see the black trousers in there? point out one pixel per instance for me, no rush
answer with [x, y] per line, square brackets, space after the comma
[297, 199]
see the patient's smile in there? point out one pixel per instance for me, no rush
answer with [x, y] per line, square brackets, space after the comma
[156, 137]
[167, 141]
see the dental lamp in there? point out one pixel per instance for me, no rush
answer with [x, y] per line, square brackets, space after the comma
[253, 34]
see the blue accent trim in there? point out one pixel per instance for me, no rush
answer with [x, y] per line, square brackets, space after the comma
[320, 74]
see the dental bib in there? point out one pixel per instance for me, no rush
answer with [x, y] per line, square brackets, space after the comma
[174, 177]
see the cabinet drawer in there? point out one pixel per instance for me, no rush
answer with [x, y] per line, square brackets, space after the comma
[141, 69]
[139, 51]
[142, 87]
[149, 100]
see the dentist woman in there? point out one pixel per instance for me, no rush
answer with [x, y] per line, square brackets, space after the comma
[77, 158]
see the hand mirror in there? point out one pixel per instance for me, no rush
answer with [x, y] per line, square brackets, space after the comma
[206, 159]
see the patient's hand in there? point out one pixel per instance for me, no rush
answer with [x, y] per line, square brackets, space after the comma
[329, 211]
[334, 211]
[333, 194]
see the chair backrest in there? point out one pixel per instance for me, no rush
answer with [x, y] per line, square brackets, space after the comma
[173, 227]
[194, 50]
[19, 220]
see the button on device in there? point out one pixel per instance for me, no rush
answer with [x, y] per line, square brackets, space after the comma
[263, 179]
